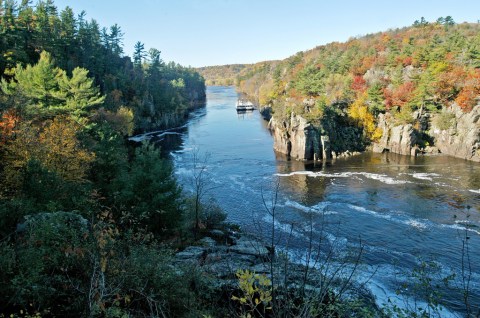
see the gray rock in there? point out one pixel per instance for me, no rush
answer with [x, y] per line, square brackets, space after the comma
[299, 139]
[217, 233]
[462, 140]
[191, 253]
[249, 247]
[207, 242]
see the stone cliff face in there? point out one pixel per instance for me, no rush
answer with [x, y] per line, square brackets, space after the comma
[299, 139]
[400, 139]
[452, 133]
[462, 138]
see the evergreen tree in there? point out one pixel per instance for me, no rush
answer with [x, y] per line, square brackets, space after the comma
[139, 54]
[80, 92]
[149, 193]
[375, 99]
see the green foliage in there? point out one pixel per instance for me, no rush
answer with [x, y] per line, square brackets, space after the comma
[60, 152]
[51, 92]
[51, 261]
[148, 194]
[310, 81]
[375, 99]
[427, 66]
[210, 214]
[404, 116]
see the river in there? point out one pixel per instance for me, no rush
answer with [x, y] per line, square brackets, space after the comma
[403, 210]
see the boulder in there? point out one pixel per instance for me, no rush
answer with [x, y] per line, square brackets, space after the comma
[191, 253]
[248, 246]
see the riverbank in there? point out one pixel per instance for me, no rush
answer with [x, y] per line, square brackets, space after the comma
[222, 258]
[452, 132]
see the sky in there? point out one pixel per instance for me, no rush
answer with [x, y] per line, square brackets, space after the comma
[217, 32]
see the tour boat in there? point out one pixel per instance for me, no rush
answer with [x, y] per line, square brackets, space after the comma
[244, 105]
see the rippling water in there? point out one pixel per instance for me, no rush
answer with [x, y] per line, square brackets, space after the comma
[402, 209]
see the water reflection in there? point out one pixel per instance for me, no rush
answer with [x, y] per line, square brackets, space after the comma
[245, 114]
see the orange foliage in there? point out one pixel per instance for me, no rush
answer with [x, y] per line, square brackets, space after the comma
[470, 92]
[366, 64]
[446, 84]
[7, 125]
[387, 95]
[359, 85]
[407, 61]
[403, 94]
[400, 96]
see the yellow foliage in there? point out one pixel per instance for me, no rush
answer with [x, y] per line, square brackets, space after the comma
[55, 146]
[256, 290]
[62, 151]
[360, 114]
[126, 115]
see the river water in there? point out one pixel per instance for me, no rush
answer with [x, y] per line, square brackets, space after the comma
[403, 210]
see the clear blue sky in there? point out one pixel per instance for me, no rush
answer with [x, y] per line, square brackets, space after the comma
[216, 32]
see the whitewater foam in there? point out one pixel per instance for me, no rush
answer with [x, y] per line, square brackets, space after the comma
[425, 176]
[459, 227]
[318, 208]
[415, 223]
[475, 191]
[374, 176]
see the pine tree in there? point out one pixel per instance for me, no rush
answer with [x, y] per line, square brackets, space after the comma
[80, 93]
[139, 54]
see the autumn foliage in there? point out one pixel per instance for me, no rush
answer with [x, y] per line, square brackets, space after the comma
[428, 66]
[470, 93]
[8, 123]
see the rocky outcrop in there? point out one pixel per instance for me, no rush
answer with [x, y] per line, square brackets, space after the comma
[401, 139]
[221, 262]
[460, 137]
[299, 139]
[452, 132]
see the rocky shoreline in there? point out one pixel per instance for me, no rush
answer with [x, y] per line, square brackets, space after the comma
[451, 132]
[221, 256]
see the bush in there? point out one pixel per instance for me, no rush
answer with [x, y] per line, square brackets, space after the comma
[444, 120]
[404, 116]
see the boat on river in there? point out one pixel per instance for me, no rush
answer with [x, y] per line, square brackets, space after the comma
[244, 105]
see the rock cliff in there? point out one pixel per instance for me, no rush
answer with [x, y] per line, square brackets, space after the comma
[299, 139]
[461, 136]
[451, 132]
[401, 139]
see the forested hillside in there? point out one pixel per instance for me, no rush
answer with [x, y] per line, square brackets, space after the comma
[426, 67]
[224, 75]
[157, 93]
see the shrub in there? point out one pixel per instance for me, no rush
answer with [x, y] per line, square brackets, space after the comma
[444, 120]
